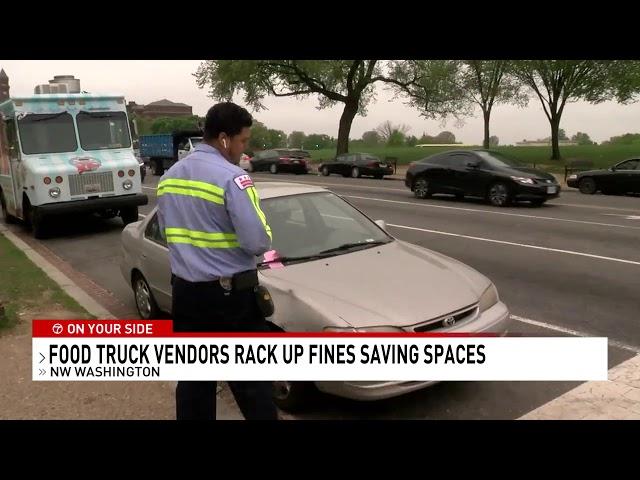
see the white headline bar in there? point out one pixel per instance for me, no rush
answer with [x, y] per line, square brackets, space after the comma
[320, 359]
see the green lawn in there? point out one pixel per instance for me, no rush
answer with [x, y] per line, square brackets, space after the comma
[601, 156]
[24, 287]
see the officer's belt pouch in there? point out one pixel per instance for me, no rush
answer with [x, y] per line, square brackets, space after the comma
[245, 280]
[264, 300]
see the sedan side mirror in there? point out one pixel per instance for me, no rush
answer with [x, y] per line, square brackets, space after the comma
[382, 224]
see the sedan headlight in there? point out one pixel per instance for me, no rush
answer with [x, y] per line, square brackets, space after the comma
[383, 328]
[572, 177]
[489, 298]
[525, 180]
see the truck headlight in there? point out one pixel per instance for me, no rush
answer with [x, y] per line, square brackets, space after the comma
[54, 192]
[572, 177]
[489, 298]
[127, 184]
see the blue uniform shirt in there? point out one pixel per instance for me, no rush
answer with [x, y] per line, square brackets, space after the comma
[210, 214]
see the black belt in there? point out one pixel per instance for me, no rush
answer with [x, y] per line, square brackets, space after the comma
[240, 281]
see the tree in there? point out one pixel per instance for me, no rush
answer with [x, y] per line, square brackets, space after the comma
[396, 139]
[259, 136]
[488, 82]
[445, 137]
[433, 87]
[318, 141]
[426, 139]
[558, 82]
[371, 138]
[626, 139]
[390, 133]
[493, 141]
[297, 139]
[174, 124]
[276, 138]
[582, 139]
[350, 82]
[412, 141]
[562, 135]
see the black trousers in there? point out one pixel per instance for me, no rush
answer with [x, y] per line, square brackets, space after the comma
[204, 307]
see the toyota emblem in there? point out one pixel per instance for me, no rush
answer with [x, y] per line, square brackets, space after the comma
[449, 322]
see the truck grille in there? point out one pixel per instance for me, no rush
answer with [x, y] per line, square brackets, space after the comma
[90, 183]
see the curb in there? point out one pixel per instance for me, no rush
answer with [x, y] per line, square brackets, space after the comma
[64, 282]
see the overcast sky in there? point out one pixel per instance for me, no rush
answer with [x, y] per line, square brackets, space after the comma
[145, 81]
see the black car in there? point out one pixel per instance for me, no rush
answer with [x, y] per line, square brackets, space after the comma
[280, 160]
[622, 178]
[356, 165]
[480, 173]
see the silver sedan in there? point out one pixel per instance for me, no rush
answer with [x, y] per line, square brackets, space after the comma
[337, 270]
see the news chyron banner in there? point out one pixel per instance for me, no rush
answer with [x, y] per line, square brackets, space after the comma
[99, 350]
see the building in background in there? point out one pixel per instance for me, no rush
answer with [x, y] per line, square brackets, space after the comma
[159, 109]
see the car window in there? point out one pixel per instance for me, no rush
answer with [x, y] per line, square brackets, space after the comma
[459, 160]
[433, 160]
[628, 165]
[154, 233]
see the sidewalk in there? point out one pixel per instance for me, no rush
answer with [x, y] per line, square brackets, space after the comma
[616, 399]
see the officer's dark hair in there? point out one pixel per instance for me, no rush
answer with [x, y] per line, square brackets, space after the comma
[226, 117]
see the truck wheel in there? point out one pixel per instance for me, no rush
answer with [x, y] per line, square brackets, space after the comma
[157, 167]
[129, 215]
[36, 221]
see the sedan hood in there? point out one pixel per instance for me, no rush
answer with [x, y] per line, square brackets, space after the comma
[397, 284]
[529, 173]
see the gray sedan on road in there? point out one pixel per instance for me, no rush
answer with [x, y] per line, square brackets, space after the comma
[339, 271]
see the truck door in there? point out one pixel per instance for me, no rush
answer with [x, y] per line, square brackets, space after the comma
[10, 165]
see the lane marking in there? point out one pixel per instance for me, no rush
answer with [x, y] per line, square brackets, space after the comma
[523, 245]
[535, 217]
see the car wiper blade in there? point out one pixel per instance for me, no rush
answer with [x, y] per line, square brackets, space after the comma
[293, 259]
[347, 246]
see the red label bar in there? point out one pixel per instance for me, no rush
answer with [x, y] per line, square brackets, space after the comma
[164, 328]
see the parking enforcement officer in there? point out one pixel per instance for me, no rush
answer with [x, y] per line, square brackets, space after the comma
[210, 213]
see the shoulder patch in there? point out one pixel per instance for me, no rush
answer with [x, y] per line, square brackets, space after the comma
[243, 181]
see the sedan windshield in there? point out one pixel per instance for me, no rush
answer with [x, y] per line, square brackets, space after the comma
[319, 224]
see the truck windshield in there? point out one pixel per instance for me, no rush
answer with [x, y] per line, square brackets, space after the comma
[47, 133]
[103, 130]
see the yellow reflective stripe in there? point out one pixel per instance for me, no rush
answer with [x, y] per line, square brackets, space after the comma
[193, 188]
[199, 235]
[203, 243]
[210, 187]
[191, 193]
[253, 195]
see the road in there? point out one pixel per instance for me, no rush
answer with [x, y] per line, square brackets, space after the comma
[569, 268]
